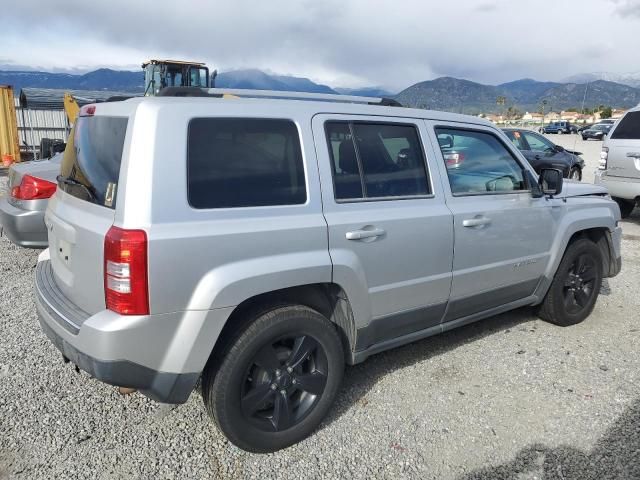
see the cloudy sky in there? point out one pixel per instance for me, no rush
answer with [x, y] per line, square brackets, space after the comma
[391, 43]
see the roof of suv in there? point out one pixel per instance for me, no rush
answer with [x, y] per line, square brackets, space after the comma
[311, 107]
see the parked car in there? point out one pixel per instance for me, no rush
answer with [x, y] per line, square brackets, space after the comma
[607, 121]
[292, 237]
[541, 153]
[598, 131]
[31, 184]
[584, 127]
[559, 127]
[619, 168]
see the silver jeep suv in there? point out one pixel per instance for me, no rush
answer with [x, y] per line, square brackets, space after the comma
[258, 245]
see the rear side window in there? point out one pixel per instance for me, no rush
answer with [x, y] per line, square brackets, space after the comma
[628, 128]
[376, 160]
[91, 164]
[244, 162]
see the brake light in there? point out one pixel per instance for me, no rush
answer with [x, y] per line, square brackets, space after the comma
[87, 111]
[33, 188]
[126, 287]
[604, 156]
[453, 159]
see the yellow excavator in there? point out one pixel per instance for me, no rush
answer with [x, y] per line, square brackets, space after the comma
[159, 74]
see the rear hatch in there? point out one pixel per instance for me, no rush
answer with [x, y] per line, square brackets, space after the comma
[83, 210]
[624, 147]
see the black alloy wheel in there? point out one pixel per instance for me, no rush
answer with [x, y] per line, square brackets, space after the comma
[275, 379]
[283, 382]
[579, 286]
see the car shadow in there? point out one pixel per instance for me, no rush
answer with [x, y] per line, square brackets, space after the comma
[360, 379]
[616, 455]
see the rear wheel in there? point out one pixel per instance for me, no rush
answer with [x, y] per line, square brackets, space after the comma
[278, 380]
[576, 285]
[626, 206]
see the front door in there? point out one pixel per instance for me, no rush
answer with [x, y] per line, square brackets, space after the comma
[503, 235]
[390, 231]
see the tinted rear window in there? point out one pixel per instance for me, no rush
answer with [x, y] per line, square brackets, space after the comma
[628, 128]
[242, 162]
[93, 159]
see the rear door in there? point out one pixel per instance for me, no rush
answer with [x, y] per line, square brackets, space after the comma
[502, 233]
[83, 209]
[624, 147]
[390, 232]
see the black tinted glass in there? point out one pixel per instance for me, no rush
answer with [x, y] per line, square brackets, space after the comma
[628, 128]
[344, 162]
[241, 162]
[93, 160]
[385, 160]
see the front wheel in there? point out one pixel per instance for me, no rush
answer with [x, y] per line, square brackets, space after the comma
[277, 381]
[584, 138]
[575, 173]
[576, 285]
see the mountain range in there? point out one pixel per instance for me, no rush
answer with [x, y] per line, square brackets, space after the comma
[444, 93]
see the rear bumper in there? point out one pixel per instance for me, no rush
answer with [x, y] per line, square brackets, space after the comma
[25, 228]
[160, 355]
[620, 187]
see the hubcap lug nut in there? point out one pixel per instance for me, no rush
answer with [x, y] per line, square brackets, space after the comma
[273, 386]
[283, 391]
[278, 372]
[289, 369]
[294, 381]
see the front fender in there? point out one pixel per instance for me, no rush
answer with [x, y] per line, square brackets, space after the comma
[579, 216]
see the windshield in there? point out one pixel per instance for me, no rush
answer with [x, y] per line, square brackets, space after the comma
[91, 166]
[602, 128]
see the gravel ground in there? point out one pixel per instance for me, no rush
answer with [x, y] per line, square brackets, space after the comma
[509, 397]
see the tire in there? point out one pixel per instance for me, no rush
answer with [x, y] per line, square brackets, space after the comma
[262, 375]
[45, 147]
[575, 286]
[626, 206]
[584, 138]
[575, 173]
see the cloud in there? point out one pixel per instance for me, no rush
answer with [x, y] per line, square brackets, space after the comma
[359, 42]
[628, 8]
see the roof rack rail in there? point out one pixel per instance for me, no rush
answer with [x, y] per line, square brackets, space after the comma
[241, 92]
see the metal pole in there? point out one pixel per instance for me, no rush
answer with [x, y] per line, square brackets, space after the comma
[33, 148]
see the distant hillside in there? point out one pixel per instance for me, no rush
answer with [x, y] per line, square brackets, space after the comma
[452, 94]
[445, 93]
[632, 79]
[365, 92]
[527, 91]
[102, 79]
[259, 80]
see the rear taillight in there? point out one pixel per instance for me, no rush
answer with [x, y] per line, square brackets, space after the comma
[126, 288]
[453, 159]
[33, 188]
[604, 155]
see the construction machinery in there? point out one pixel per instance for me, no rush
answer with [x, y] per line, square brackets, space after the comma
[159, 74]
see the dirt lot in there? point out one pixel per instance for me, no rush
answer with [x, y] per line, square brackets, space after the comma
[510, 397]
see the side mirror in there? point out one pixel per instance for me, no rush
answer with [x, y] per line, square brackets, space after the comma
[559, 148]
[550, 181]
[445, 141]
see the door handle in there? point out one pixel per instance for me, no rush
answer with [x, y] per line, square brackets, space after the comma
[476, 222]
[360, 234]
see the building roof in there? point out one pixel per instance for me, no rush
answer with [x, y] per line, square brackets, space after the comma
[53, 98]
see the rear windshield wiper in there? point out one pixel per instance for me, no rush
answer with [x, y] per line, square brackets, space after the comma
[75, 183]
